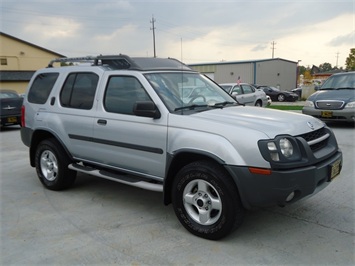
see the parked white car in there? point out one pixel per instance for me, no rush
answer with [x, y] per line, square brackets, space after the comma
[246, 94]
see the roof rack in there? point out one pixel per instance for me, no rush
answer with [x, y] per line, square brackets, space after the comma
[125, 62]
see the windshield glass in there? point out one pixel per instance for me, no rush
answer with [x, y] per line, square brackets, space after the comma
[179, 90]
[346, 81]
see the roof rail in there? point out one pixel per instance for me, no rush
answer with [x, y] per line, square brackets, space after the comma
[125, 62]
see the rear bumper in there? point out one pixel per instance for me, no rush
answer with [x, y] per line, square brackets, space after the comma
[258, 190]
[11, 120]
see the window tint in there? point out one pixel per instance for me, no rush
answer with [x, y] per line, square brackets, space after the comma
[79, 90]
[247, 89]
[121, 94]
[42, 87]
[237, 89]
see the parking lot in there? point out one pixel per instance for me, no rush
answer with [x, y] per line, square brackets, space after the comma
[101, 222]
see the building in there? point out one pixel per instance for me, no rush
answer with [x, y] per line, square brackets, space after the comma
[274, 72]
[19, 60]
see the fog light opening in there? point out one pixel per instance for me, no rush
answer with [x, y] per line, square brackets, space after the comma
[290, 196]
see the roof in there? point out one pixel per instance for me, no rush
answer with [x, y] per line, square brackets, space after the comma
[9, 76]
[31, 44]
[125, 62]
[243, 62]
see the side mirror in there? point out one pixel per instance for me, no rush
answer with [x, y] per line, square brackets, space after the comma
[146, 109]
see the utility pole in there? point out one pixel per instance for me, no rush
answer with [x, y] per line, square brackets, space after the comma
[273, 48]
[337, 59]
[153, 28]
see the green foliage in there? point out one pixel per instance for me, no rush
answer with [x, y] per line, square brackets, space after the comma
[325, 67]
[350, 60]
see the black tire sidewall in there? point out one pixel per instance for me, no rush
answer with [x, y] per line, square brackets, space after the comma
[65, 176]
[232, 211]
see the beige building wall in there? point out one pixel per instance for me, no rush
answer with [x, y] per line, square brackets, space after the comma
[17, 55]
[22, 56]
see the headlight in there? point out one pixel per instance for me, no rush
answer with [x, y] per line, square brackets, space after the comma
[282, 149]
[309, 104]
[350, 105]
[286, 147]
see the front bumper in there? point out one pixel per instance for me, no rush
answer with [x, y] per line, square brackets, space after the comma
[257, 190]
[346, 115]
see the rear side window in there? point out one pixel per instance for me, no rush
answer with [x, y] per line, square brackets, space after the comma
[42, 87]
[79, 90]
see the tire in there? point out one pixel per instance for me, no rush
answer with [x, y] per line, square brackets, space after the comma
[281, 97]
[51, 163]
[258, 103]
[206, 200]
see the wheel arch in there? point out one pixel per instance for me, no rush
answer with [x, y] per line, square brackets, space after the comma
[37, 137]
[179, 160]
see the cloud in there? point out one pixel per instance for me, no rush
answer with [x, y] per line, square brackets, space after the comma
[53, 28]
[347, 39]
[259, 47]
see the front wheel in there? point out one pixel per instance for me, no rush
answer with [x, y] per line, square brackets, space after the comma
[52, 165]
[206, 200]
[281, 97]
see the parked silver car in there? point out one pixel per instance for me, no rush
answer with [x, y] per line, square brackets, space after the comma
[335, 100]
[246, 94]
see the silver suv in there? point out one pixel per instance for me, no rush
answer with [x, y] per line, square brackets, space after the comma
[156, 124]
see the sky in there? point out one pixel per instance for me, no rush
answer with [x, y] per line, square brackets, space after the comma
[194, 31]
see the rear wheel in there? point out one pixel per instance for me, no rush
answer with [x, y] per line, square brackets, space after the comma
[258, 103]
[52, 165]
[206, 200]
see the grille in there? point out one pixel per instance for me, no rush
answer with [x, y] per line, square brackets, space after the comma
[316, 139]
[331, 105]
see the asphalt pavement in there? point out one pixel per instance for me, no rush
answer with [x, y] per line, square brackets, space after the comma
[99, 222]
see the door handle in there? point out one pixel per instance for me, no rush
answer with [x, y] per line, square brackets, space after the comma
[102, 122]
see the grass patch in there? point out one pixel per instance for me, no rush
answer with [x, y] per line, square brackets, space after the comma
[286, 107]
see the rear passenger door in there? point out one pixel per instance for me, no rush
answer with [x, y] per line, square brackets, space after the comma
[75, 117]
[123, 140]
[249, 96]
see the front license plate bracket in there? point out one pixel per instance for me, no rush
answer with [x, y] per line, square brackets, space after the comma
[334, 169]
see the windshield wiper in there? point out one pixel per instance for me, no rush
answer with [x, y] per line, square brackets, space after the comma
[222, 104]
[190, 107]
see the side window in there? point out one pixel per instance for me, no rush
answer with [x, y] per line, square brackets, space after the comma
[121, 94]
[247, 89]
[79, 90]
[42, 87]
[237, 90]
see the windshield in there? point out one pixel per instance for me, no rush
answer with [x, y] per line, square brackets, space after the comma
[193, 91]
[346, 81]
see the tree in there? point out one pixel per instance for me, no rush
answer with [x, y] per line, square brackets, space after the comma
[325, 67]
[350, 60]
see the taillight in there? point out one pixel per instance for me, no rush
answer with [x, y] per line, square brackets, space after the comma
[23, 116]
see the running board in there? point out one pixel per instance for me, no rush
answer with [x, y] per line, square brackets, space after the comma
[128, 180]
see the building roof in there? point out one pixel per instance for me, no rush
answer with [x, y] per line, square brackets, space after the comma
[15, 76]
[31, 44]
[241, 62]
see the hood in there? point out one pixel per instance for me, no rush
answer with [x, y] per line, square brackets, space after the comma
[268, 121]
[346, 95]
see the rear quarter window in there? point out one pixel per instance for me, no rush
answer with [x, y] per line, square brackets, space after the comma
[42, 87]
